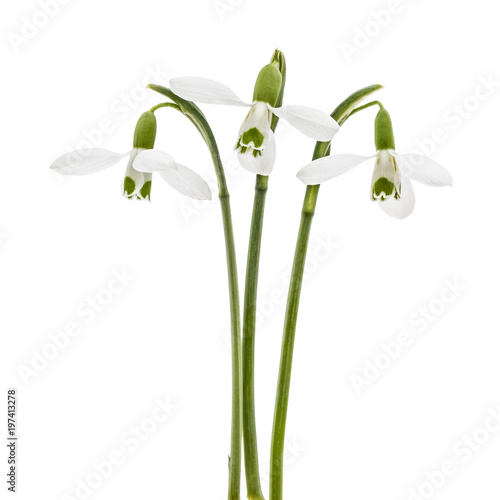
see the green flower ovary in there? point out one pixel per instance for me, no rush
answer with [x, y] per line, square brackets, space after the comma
[268, 84]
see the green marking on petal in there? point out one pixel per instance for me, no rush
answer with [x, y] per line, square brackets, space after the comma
[146, 190]
[253, 135]
[128, 186]
[383, 188]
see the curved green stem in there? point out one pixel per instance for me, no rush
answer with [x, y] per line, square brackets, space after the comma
[191, 111]
[340, 114]
[165, 105]
[249, 315]
[365, 106]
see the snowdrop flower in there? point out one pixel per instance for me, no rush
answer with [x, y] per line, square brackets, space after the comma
[391, 180]
[256, 146]
[143, 161]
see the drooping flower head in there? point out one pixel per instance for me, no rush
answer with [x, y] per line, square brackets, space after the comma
[256, 144]
[391, 180]
[137, 184]
[256, 136]
[143, 161]
[386, 178]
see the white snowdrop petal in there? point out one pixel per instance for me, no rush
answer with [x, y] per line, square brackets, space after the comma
[86, 161]
[134, 180]
[197, 89]
[310, 121]
[403, 206]
[423, 169]
[153, 160]
[327, 168]
[262, 162]
[187, 182]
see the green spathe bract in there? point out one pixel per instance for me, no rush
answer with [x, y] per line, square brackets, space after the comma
[145, 131]
[384, 135]
[278, 60]
[268, 85]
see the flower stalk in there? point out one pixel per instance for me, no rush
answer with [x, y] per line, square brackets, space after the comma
[248, 345]
[191, 111]
[254, 490]
[322, 149]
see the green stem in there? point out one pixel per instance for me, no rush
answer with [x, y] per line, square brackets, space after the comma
[340, 115]
[365, 106]
[285, 372]
[191, 111]
[236, 413]
[249, 314]
[165, 105]
[254, 490]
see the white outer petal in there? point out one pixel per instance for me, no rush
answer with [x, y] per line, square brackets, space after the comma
[402, 207]
[138, 177]
[261, 164]
[258, 117]
[187, 182]
[153, 160]
[423, 169]
[194, 88]
[327, 168]
[310, 121]
[86, 161]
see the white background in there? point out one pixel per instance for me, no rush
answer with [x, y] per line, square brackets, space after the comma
[166, 334]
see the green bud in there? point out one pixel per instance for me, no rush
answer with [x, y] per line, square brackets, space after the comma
[145, 131]
[384, 135]
[268, 84]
